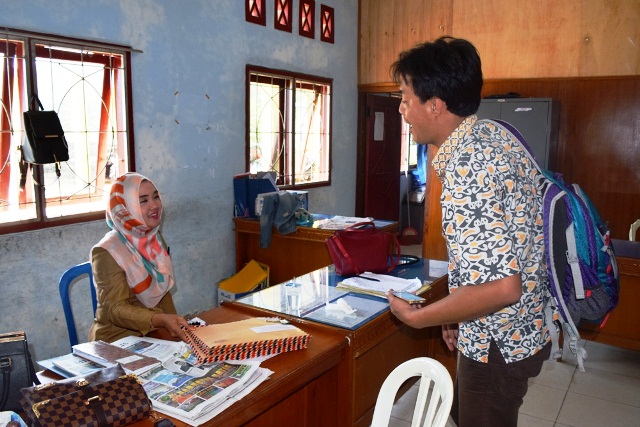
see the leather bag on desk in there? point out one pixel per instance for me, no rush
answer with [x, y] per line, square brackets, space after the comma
[105, 398]
[16, 369]
[363, 247]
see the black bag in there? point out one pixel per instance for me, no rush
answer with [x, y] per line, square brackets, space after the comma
[45, 138]
[16, 370]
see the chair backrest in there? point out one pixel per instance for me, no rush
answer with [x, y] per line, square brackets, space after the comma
[435, 393]
[69, 277]
[632, 230]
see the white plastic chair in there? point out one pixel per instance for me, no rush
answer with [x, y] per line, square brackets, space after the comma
[632, 230]
[435, 393]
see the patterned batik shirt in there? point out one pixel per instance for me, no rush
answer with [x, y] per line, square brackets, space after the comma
[492, 223]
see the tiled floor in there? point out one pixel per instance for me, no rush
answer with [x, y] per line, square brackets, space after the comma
[607, 394]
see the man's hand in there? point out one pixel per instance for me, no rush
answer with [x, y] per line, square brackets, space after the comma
[402, 309]
[450, 336]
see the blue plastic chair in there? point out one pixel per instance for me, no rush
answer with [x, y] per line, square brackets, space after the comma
[66, 280]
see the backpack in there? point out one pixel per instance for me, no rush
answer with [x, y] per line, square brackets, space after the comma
[580, 260]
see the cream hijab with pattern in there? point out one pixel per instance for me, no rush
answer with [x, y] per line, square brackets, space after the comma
[138, 249]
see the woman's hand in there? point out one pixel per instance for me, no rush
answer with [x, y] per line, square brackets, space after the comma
[171, 323]
[450, 336]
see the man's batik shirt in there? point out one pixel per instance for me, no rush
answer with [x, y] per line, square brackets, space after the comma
[492, 223]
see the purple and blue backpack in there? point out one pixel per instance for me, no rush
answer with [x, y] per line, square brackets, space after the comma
[581, 262]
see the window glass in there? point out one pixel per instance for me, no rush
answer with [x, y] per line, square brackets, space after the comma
[289, 126]
[88, 88]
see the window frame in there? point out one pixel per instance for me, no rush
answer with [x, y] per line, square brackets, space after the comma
[30, 40]
[289, 140]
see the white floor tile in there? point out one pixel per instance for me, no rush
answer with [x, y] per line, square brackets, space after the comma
[616, 360]
[397, 422]
[585, 411]
[555, 374]
[605, 385]
[450, 423]
[403, 408]
[529, 421]
[542, 402]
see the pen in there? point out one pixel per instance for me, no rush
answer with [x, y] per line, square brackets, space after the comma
[369, 278]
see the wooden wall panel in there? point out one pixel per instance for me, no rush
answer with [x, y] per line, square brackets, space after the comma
[521, 38]
[516, 38]
[387, 27]
[598, 146]
[598, 139]
[610, 32]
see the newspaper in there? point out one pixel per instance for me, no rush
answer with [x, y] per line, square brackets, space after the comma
[187, 391]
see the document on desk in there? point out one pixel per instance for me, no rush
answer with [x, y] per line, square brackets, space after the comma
[340, 222]
[379, 284]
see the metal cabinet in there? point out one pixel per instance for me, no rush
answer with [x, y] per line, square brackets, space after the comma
[535, 118]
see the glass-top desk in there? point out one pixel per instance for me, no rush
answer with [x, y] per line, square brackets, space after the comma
[377, 340]
[309, 296]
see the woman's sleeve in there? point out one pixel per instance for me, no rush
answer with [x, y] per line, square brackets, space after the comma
[117, 302]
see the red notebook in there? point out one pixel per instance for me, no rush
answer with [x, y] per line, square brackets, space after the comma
[245, 339]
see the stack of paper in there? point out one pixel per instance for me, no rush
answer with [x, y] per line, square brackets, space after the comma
[379, 284]
[70, 365]
[341, 222]
[245, 339]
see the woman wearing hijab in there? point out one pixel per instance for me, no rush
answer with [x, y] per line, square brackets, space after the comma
[131, 266]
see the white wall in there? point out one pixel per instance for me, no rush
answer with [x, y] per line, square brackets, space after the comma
[188, 108]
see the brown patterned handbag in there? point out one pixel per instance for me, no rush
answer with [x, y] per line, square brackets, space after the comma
[106, 398]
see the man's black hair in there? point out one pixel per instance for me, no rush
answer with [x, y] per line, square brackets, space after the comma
[448, 68]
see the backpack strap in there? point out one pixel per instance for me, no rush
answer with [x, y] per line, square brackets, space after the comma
[569, 327]
[574, 262]
[520, 139]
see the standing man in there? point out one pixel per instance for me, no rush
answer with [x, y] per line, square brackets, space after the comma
[492, 223]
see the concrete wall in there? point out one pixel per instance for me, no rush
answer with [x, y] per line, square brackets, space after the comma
[189, 113]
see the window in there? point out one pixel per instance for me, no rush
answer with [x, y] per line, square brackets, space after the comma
[408, 150]
[87, 84]
[289, 126]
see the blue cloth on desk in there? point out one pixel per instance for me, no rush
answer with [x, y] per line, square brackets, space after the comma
[278, 210]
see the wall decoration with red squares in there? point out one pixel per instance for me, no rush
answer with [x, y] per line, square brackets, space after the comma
[255, 11]
[326, 24]
[282, 15]
[307, 18]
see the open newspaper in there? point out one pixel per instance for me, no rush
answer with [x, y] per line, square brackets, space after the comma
[192, 392]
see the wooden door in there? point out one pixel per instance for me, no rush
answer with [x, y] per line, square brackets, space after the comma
[382, 139]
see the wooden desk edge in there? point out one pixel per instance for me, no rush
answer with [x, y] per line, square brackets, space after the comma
[283, 383]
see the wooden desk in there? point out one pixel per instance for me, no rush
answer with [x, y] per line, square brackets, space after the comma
[621, 329]
[335, 380]
[304, 389]
[375, 349]
[287, 256]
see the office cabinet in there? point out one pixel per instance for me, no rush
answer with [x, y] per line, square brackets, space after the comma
[535, 118]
